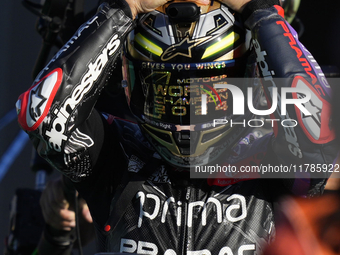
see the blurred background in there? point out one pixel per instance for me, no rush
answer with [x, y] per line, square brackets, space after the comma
[19, 47]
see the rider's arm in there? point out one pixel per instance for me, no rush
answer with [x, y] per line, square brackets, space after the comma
[57, 111]
[280, 55]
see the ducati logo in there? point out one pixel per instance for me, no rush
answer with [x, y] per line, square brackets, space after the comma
[182, 49]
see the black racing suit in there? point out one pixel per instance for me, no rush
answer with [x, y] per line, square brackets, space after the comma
[170, 213]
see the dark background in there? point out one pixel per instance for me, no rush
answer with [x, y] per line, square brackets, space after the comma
[19, 47]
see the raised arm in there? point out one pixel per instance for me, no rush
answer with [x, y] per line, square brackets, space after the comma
[57, 111]
[302, 139]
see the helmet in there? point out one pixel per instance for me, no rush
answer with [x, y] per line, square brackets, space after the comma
[176, 54]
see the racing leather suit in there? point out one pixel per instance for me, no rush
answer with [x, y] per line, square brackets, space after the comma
[171, 213]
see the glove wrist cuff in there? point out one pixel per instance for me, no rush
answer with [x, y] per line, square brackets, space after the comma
[255, 5]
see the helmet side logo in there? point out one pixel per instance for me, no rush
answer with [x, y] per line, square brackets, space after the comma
[182, 49]
[37, 100]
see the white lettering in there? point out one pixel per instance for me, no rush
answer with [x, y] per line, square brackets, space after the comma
[290, 134]
[142, 213]
[232, 207]
[238, 100]
[234, 211]
[297, 102]
[202, 252]
[218, 210]
[247, 247]
[131, 246]
[127, 245]
[147, 248]
[225, 251]
[262, 112]
[95, 69]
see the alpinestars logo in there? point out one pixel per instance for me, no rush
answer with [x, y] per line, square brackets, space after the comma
[59, 128]
[182, 49]
[290, 134]
[40, 98]
[315, 111]
[37, 100]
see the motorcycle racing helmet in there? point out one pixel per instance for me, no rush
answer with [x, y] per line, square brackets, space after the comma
[176, 57]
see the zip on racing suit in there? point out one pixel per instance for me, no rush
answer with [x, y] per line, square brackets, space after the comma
[171, 213]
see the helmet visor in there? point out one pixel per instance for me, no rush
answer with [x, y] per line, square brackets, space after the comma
[173, 93]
